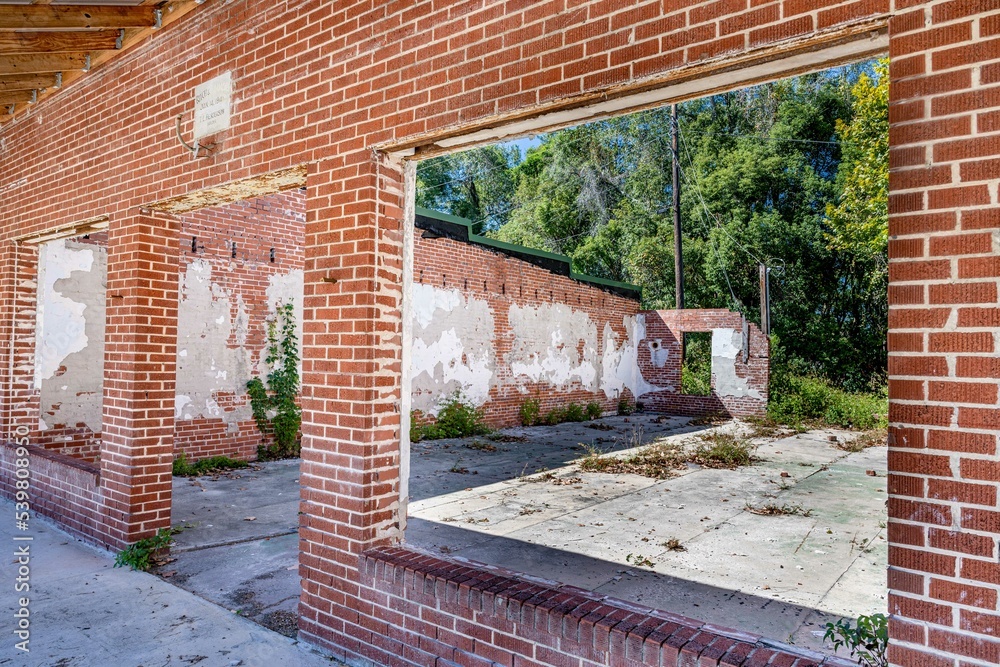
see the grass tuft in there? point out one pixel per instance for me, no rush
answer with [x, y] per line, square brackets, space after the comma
[215, 464]
[720, 449]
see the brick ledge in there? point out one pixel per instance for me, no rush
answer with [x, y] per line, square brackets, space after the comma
[58, 457]
[600, 625]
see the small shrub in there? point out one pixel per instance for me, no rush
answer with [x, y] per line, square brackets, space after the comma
[594, 410]
[554, 416]
[530, 411]
[455, 419]
[142, 555]
[723, 450]
[274, 407]
[574, 413]
[795, 399]
[625, 406]
[205, 466]
[867, 641]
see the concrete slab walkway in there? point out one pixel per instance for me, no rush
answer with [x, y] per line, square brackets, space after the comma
[523, 504]
[86, 613]
[782, 576]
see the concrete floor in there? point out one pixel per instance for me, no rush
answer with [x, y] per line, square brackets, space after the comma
[524, 505]
[86, 613]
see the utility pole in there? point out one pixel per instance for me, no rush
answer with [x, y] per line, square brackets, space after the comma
[678, 256]
[765, 300]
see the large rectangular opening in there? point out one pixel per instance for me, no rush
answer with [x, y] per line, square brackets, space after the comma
[678, 490]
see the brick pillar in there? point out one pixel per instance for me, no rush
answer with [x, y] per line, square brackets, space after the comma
[944, 369]
[140, 361]
[18, 287]
[352, 341]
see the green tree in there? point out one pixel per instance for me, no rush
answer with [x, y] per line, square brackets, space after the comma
[476, 184]
[770, 174]
[859, 219]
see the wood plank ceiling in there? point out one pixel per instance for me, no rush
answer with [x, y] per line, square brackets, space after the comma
[45, 45]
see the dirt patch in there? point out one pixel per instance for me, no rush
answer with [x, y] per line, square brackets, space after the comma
[281, 621]
[874, 438]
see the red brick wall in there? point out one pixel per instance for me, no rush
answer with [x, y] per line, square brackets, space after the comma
[323, 83]
[944, 368]
[60, 487]
[427, 610]
[666, 329]
[503, 281]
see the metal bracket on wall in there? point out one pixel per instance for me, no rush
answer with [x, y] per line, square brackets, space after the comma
[196, 148]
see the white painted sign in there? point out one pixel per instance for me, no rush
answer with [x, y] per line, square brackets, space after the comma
[212, 102]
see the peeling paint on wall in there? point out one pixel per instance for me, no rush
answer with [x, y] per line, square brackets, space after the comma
[69, 333]
[555, 344]
[453, 347]
[727, 345]
[620, 364]
[206, 364]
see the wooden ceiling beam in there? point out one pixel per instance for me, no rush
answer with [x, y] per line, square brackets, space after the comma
[16, 97]
[41, 17]
[172, 12]
[58, 41]
[41, 63]
[27, 82]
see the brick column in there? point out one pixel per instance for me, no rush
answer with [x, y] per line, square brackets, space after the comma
[352, 341]
[18, 301]
[140, 361]
[944, 227]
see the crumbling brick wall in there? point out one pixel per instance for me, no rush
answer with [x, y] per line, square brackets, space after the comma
[740, 363]
[237, 262]
[502, 331]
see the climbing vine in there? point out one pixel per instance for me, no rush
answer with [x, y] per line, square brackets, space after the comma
[274, 407]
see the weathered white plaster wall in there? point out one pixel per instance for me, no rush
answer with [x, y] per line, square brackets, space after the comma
[69, 333]
[453, 347]
[620, 363]
[206, 364]
[727, 345]
[555, 344]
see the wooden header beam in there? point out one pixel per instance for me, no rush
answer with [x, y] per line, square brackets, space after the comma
[27, 82]
[16, 97]
[40, 63]
[40, 17]
[58, 42]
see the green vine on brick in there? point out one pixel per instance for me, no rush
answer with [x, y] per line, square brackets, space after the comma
[274, 407]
